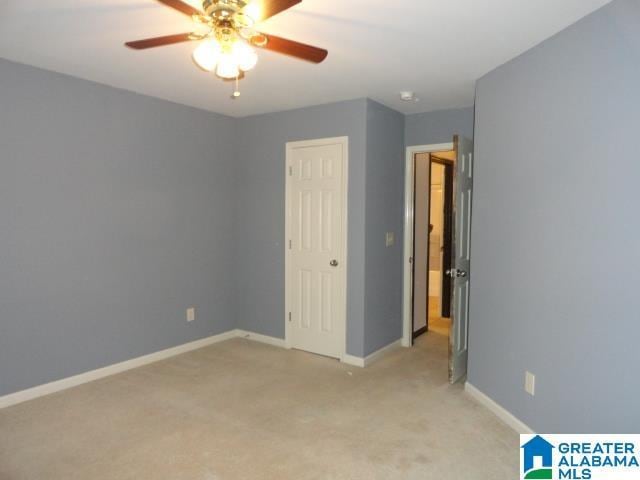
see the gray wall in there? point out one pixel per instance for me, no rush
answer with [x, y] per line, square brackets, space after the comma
[374, 272]
[120, 211]
[260, 206]
[384, 213]
[115, 218]
[438, 127]
[555, 229]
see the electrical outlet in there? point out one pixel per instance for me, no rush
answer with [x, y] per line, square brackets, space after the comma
[191, 314]
[530, 383]
[390, 239]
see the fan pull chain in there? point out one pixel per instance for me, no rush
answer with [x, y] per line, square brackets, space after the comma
[236, 93]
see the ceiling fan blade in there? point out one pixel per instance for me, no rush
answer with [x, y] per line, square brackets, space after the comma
[269, 8]
[181, 7]
[159, 41]
[295, 49]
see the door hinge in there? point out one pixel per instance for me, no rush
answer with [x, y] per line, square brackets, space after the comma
[291, 171]
[290, 244]
[289, 316]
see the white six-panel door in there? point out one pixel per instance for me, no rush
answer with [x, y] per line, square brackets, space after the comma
[316, 246]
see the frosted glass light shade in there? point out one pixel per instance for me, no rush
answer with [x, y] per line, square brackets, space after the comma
[227, 66]
[246, 57]
[207, 55]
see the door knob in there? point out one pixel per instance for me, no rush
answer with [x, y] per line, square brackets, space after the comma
[333, 263]
[455, 273]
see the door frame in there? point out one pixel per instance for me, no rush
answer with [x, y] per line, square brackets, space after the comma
[290, 146]
[409, 196]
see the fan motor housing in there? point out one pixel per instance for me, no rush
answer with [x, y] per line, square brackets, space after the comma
[222, 8]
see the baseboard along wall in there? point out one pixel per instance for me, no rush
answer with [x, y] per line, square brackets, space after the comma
[498, 410]
[69, 382]
[371, 358]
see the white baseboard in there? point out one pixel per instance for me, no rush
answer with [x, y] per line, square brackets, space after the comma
[65, 383]
[257, 337]
[352, 360]
[499, 411]
[377, 355]
[369, 359]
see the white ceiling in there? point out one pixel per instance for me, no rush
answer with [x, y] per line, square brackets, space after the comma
[377, 48]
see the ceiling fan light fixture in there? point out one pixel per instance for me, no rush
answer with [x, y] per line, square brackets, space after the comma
[207, 55]
[254, 11]
[245, 56]
[227, 38]
[227, 66]
[259, 39]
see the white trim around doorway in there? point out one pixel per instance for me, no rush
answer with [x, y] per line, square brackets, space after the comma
[409, 193]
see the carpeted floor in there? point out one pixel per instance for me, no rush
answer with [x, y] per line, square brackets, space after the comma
[243, 410]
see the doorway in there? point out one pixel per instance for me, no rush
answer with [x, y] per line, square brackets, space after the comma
[440, 247]
[432, 245]
[438, 194]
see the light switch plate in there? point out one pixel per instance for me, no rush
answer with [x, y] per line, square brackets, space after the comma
[390, 239]
[191, 314]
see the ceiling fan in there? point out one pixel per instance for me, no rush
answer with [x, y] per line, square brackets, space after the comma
[225, 30]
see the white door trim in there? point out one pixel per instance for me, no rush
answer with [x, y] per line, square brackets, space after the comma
[344, 142]
[409, 192]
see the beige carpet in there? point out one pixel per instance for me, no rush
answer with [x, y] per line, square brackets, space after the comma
[243, 410]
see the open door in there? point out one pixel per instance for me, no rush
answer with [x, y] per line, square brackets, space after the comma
[459, 273]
